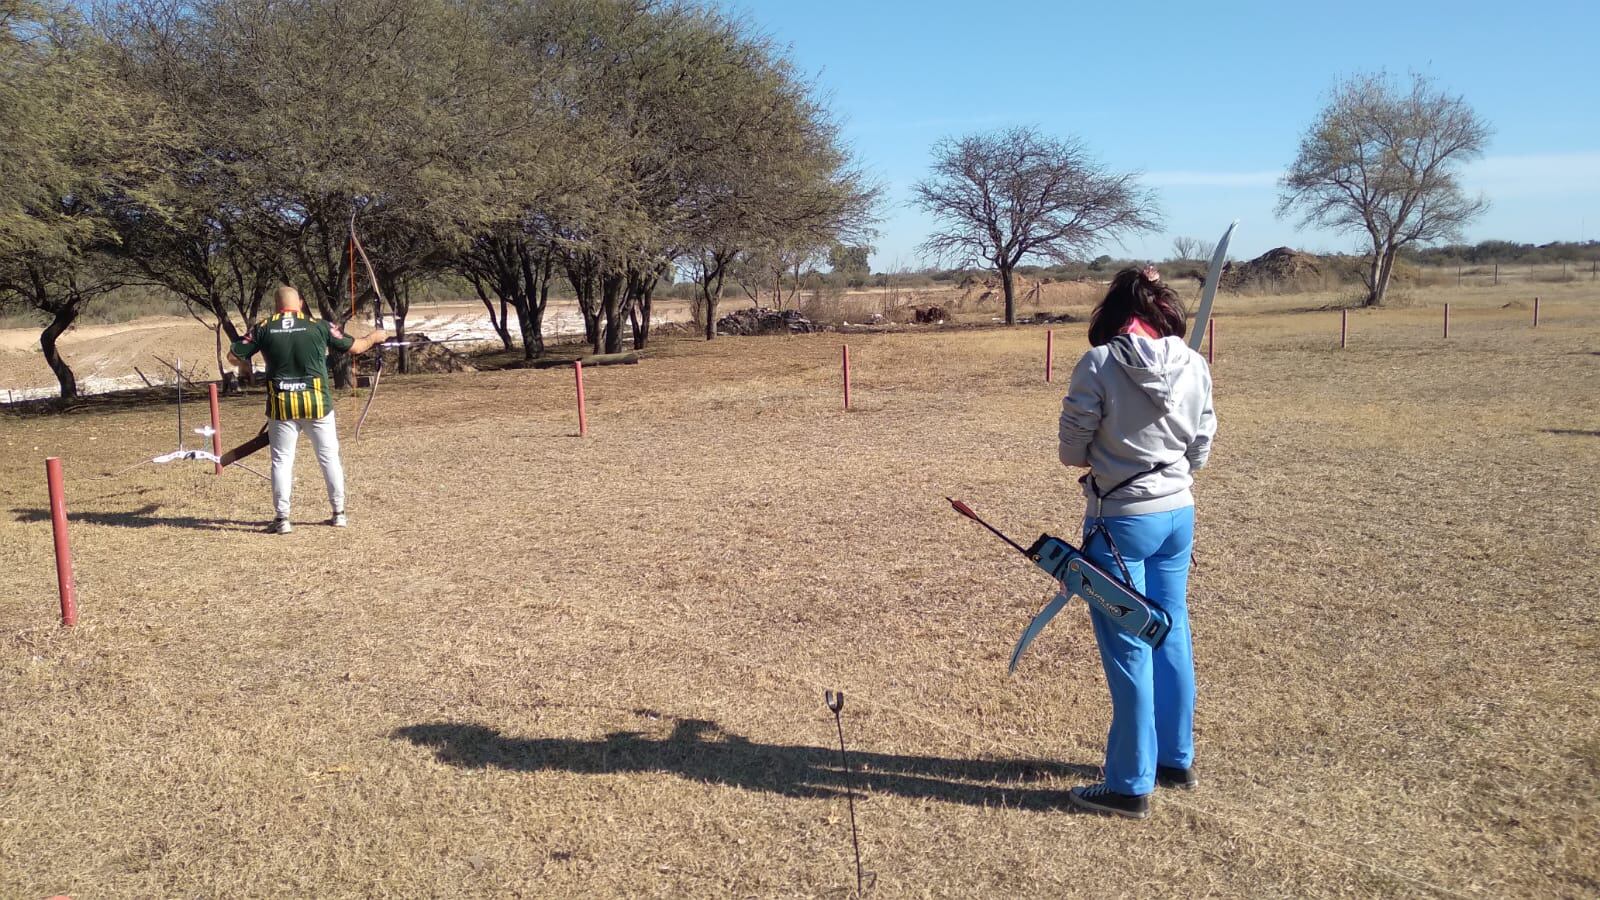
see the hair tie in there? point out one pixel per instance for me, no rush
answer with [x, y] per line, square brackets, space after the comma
[1149, 273]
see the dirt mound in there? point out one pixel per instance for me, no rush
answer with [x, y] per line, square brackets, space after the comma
[765, 321]
[980, 289]
[1277, 266]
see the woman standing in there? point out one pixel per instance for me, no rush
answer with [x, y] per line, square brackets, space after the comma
[1138, 414]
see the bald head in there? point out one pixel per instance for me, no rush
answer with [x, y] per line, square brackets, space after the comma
[288, 299]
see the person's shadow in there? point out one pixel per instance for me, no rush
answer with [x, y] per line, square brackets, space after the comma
[700, 750]
[143, 517]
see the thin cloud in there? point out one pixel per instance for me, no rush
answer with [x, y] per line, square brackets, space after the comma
[1263, 178]
[1533, 174]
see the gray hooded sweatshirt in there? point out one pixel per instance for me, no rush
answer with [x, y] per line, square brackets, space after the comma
[1136, 403]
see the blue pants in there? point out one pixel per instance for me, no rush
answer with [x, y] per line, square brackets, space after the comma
[1152, 691]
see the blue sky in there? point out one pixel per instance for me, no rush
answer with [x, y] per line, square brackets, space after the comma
[1207, 99]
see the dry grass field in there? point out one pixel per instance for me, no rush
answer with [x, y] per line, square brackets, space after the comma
[543, 666]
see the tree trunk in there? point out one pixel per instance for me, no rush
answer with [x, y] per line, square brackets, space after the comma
[1008, 286]
[1388, 273]
[1374, 273]
[641, 331]
[612, 297]
[62, 319]
[535, 274]
[1381, 272]
[544, 296]
[498, 323]
[222, 367]
[400, 336]
[581, 274]
[709, 298]
[532, 322]
[711, 290]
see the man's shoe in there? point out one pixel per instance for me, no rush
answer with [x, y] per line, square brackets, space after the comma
[1101, 799]
[1174, 777]
[338, 520]
[279, 526]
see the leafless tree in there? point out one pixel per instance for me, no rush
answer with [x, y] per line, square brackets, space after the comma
[1185, 248]
[1005, 196]
[1382, 161]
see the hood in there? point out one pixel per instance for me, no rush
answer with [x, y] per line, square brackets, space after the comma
[1154, 365]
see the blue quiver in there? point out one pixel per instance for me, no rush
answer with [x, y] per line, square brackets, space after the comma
[1125, 607]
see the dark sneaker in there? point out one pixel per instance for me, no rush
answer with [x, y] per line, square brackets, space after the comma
[279, 526]
[1174, 777]
[1101, 799]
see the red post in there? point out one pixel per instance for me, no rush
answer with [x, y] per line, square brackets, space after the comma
[1049, 353]
[216, 432]
[58, 523]
[583, 414]
[846, 357]
[1536, 312]
[1211, 341]
[1447, 320]
[1344, 328]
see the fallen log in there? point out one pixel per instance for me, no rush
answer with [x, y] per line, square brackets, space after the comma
[630, 358]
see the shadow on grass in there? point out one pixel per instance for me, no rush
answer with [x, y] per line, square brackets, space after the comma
[701, 751]
[1571, 432]
[143, 517]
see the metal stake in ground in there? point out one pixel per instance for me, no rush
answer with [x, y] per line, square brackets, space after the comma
[835, 701]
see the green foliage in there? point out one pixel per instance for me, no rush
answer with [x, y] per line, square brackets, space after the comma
[213, 148]
[852, 263]
[511, 142]
[82, 147]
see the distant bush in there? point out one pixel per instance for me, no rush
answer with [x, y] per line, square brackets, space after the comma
[1506, 252]
[132, 302]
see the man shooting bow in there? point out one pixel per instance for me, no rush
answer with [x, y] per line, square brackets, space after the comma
[299, 395]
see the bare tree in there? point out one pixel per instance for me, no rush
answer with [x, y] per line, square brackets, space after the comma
[1382, 161]
[1006, 196]
[1185, 248]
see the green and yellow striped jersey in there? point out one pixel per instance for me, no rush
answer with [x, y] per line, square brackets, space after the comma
[295, 348]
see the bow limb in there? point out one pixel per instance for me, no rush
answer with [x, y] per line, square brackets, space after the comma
[372, 274]
[1208, 293]
[377, 376]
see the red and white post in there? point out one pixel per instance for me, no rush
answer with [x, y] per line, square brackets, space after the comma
[58, 523]
[1211, 341]
[1344, 328]
[1536, 312]
[1447, 320]
[1049, 354]
[216, 432]
[846, 358]
[583, 413]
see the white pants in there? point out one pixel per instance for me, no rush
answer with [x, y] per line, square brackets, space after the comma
[283, 435]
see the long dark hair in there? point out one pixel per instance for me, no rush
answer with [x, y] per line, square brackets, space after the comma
[1137, 293]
